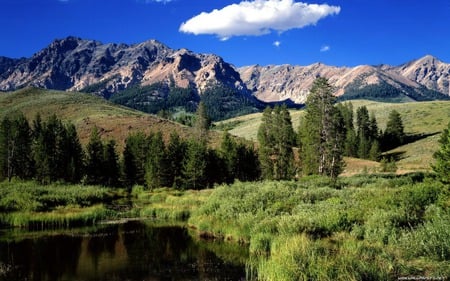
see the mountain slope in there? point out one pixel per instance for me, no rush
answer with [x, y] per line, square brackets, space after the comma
[424, 79]
[74, 64]
[86, 112]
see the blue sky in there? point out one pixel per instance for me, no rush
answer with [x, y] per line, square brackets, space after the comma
[335, 32]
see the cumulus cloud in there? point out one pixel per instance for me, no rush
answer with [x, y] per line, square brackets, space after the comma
[325, 48]
[277, 43]
[257, 18]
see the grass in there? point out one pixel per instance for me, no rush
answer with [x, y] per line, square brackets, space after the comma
[30, 205]
[428, 118]
[167, 204]
[88, 111]
[373, 228]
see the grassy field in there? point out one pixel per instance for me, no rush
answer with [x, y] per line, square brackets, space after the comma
[428, 118]
[87, 112]
[373, 228]
[33, 206]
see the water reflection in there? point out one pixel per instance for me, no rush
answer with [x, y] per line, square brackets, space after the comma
[131, 251]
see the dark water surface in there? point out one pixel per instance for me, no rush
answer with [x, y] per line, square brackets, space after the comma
[130, 251]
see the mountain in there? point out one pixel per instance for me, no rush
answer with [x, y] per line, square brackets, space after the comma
[150, 76]
[423, 79]
[74, 64]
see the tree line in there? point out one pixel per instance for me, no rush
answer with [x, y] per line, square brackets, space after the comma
[326, 134]
[50, 151]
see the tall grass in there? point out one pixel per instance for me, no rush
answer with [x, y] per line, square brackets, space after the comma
[27, 204]
[167, 204]
[307, 230]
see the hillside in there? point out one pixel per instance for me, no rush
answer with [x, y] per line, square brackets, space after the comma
[86, 112]
[419, 118]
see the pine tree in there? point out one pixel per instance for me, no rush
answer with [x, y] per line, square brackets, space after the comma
[322, 133]
[75, 156]
[49, 150]
[394, 134]
[276, 138]
[351, 142]
[195, 165]
[111, 167]
[134, 159]
[363, 132]
[202, 122]
[229, 154]
[266, 141]
[156, 166]
[95, 173]
[442, 165]
[175, 151]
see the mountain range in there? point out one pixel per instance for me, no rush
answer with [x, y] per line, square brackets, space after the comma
[75, 64]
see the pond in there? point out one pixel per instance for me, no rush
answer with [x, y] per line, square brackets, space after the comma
[129, 251]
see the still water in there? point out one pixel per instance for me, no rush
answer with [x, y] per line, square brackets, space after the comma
[130, 251]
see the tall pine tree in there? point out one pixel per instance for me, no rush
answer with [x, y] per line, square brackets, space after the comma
[276, 139]
[322, 133]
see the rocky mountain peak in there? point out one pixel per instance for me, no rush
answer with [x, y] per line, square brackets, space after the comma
[73, 63]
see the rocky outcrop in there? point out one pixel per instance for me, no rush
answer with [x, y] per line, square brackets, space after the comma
[74, 64]
[426, 78]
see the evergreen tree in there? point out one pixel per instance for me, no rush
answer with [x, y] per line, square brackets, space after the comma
[111, 165]
[394, 134]
[351, 141]
[195, 165]
[322, 133]
[442, 165]
[50, 150]
[247, 167]
[156, 166]
[75, 156]
[134, 159]
[95, 172]
[15, 148]
[276, 138]
[363, 132]
[266, 139]
[202, 122]
[229, 153]
[176, 150]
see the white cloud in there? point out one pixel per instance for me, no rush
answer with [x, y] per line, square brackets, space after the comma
[325, 48]
[257, 18]
[277, 44]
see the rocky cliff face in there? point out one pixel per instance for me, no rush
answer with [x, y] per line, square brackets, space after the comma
[426, 78]
[428, 71]
[74, 64]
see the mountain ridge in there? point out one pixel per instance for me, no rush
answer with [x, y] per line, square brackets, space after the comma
[75, 64]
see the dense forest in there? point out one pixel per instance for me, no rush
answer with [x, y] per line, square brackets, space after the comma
[179, 104]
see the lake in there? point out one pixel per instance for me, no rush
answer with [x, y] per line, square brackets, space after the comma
[129, 251]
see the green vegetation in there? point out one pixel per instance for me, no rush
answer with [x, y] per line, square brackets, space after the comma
[221, 102]
[321, 133]
[31, 205]
[276, 139]
[363, 227]
[442, 166]
[373, 228]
